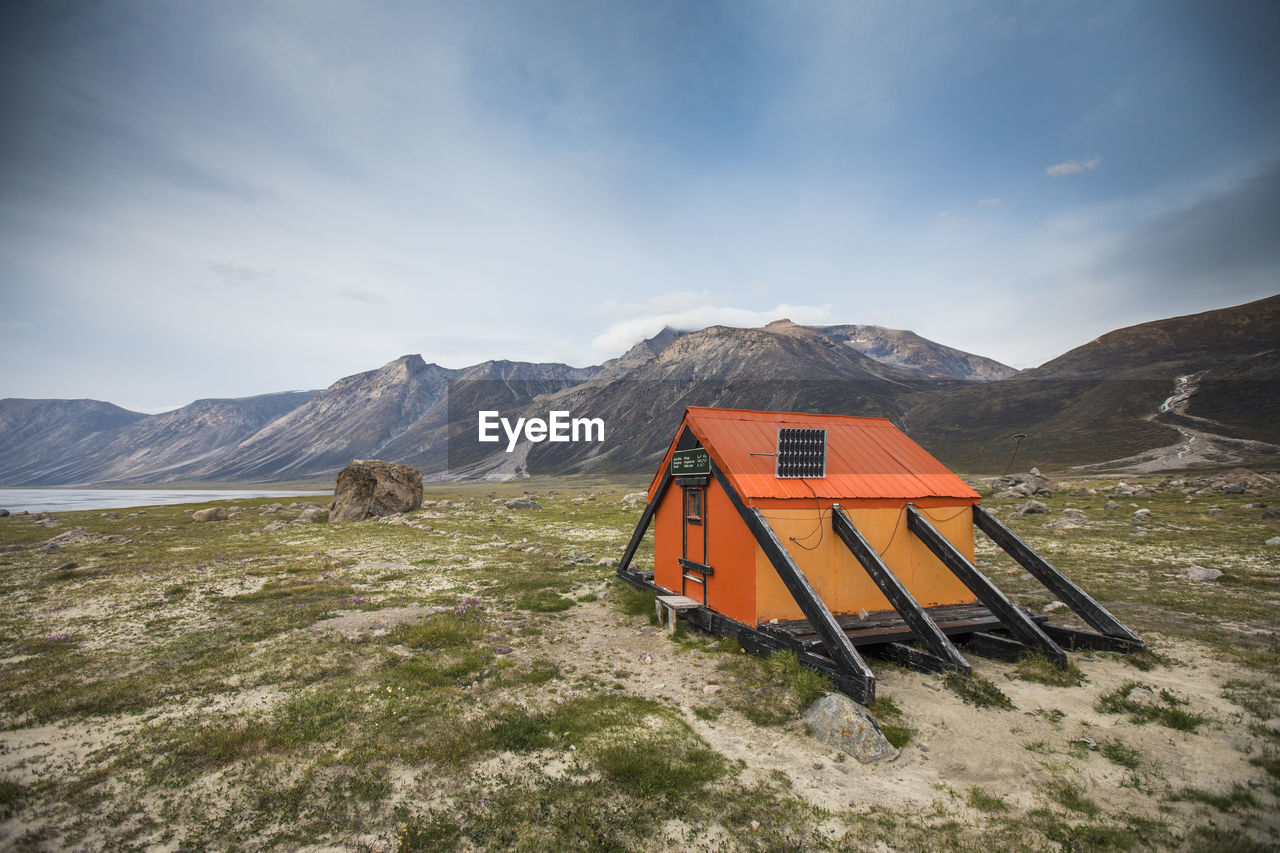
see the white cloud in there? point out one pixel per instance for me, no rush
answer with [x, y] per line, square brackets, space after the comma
[368, 297]
[622, 335]
[1072, 167]
[237, 275]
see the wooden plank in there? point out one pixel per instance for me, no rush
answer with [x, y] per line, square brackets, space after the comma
[914, 658]
[995, 646]
[679, 602]
[834, 639]
[1059, 584]
[900, 633]
[939, 614]
[868, 632]
[1014, 619]
[913, 615]
[700, 568]
[1073, 639]
[942, 615]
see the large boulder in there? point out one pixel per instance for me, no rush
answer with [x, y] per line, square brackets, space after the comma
[370, 487]
[843, 724]
[1024, 485]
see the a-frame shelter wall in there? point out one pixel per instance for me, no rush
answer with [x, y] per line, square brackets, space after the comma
[730, 551]
[834, 572]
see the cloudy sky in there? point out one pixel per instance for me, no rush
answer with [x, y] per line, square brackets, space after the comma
[207, 199]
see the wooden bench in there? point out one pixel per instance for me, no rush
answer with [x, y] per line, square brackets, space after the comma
[673, 604]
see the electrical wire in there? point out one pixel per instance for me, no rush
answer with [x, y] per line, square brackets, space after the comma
[822, 515]
[902, 512]
[819, 529]
[955, 514]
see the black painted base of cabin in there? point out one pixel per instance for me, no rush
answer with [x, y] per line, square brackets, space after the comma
[883, 635]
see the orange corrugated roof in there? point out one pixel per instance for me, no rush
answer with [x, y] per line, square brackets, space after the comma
[866, 457]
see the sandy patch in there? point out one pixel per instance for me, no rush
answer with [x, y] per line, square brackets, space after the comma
[357, 624]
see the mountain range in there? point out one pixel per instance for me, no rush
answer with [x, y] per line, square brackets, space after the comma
[1181, 392]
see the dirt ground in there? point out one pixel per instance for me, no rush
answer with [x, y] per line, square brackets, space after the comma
[955, 746]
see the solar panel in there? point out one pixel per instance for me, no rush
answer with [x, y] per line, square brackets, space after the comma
[802, 453]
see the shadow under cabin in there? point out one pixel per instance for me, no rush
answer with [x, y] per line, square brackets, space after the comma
[835, 536]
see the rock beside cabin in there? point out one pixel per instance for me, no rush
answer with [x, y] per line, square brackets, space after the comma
[368, 488]
[843, 724]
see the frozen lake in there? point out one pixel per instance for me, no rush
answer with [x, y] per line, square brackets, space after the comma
[68, 500]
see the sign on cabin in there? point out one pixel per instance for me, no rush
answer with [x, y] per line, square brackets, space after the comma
[695, 460]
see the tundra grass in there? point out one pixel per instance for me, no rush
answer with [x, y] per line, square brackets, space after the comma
[215, 708]
[1037, 667]
[772, 690]
[1165, 708]
[890, 719]
[977, 690]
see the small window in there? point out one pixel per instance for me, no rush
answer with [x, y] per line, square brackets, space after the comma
[693, 505]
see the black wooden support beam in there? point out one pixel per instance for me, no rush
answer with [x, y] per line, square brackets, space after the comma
[995, 646]
[834, 639]
[624, 565]
[915, 616]
[1073, 639]
[913, 658]
[1059, 584]
[1012, 617]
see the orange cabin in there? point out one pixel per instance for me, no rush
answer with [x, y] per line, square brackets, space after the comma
[703, 548]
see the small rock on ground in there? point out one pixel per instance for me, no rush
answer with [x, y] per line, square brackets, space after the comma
[1030, 508]
[313, 514]
[843, 724]
[1200, 573]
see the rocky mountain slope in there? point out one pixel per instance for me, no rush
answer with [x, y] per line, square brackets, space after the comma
[399, 410]
[1160, 393]
[60, 442]
[782, 366]
[41, 438]
[908, 350]
[1105, 400]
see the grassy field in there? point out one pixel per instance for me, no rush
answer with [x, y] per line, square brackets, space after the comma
[469, 676]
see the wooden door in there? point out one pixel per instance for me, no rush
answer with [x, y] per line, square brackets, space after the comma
[694, 544]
